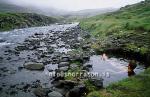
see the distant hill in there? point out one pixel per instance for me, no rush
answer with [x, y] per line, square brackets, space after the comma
[127, 29]
[5, 7]
[91, 12]
[10, 21]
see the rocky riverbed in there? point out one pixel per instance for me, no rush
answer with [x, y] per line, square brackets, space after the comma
[31, 58]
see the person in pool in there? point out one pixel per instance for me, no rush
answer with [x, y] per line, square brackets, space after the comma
[104, 57]
[132, 65]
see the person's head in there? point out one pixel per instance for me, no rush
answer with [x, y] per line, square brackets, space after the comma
[132, 64]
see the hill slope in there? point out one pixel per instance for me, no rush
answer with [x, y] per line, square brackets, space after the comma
[10, 21]
[4, 7]
[127, 29]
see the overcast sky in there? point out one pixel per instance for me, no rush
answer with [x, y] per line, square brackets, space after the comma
[74, 5]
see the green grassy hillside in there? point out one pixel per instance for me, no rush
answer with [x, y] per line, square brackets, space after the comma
[127, 29]
[10, 21]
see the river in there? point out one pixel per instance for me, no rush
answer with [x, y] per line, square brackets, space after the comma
[14, 79]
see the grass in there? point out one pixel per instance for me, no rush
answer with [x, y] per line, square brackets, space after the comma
[90, 87]
[129, 25]
[135, 86]
[73, 74]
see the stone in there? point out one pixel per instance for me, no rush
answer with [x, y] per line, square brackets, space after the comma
[63, 64]
[74, 66]
[98, 82]
[54, 94]
[85, 47]
[1, 88]
[34, 66]
[87, 67]
[64, 68]
[1, 58]
[77, 91]
[64, 59]
[87, 58]
[66, 83]
[41, 92]
[21, 48]
[1, 40]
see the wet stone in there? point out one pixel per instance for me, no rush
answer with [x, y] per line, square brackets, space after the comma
[77, 91]
[63, 64]
[1, 58]
[34, 66]
[98, 82]
[1, 88]
[55, 94]
[41, 92]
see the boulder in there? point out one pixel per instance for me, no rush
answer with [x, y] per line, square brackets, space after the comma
[34, 66]
[55, 94]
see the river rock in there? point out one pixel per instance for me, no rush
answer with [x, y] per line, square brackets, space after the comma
[1, 40]
[34, 66]
[41, 92]
[63, 64]
[74, 66]
[87, 67]
[55, 94]
[77, 91]
[1, 58]
[21, 48]
[85, 47]
[65, 83]
[64, 68]
[65, 59]
[87, 58]
[98, 82]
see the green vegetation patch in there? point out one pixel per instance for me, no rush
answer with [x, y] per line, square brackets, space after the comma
[127, 28]
[10, 21]
[135, 86]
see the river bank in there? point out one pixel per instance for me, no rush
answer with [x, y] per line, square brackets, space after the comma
[135, 86]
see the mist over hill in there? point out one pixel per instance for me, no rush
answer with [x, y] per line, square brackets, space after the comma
[88, 12]
[9, 7]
